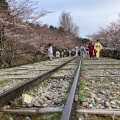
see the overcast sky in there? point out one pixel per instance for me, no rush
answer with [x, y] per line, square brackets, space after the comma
[89, 15]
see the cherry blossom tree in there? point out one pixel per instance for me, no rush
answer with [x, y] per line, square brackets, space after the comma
[15, 18]
[109, 36]
[22, 36]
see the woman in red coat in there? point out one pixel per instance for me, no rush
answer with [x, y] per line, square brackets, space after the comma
[91, 49]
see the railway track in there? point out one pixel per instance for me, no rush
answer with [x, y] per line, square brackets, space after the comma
[100, 90]
[67, 74]
[32, 80]
[92, 94]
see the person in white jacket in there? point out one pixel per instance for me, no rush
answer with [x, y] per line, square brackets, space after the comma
[76, 50]
[50, 51]
[57, 54]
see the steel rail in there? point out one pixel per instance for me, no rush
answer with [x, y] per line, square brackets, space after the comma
[66, 114]
[18, 90]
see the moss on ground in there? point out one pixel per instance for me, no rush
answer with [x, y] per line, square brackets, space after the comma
[47, 116]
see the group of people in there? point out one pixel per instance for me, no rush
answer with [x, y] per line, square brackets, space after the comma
[80, 51]
[94, 49]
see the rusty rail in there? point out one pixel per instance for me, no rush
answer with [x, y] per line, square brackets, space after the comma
[66, 114]
[18, 90]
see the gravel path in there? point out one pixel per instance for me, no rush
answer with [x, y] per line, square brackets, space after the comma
[100, 85]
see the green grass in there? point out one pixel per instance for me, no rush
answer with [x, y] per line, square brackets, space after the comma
[18, 101]
[46, 116]
[3, 83]
[82, 67]
[81, 93]
[69, 87]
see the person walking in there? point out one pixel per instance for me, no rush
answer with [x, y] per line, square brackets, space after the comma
[57, 54]
[91, 49]
[83, 51]
[97, 48]
[50, 51]
[76, 50]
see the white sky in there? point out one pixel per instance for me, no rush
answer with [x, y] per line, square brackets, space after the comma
[89, 15]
